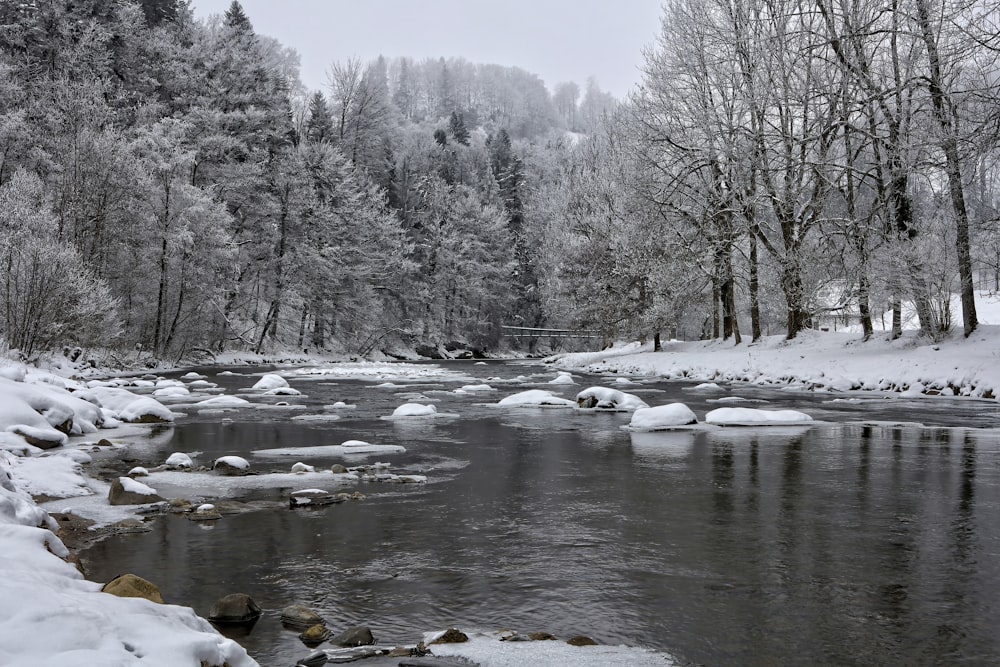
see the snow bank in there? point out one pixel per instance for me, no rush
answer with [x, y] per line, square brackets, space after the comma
[754, 417]
[662, 417]
[536, 397]
[61, 619]
[603, 398]
[822, 361]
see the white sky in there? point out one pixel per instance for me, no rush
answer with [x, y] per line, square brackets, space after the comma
[559, 40]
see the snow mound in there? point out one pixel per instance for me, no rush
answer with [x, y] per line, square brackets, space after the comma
[608, 399]
[475, 387]
[707, 386]
[536, 397]
[662, 417]
[562, 378]
[755, 417]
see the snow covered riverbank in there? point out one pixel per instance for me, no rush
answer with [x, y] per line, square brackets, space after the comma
[817, 360]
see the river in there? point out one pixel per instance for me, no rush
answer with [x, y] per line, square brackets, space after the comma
[861, 540]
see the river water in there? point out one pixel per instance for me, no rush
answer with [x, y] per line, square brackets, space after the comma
[843, 543]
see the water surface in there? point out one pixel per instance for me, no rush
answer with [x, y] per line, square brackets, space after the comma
[836, 544]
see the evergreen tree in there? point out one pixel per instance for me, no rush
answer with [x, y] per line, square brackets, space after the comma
[456, 125]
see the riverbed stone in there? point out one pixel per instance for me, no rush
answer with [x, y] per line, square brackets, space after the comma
[315, 634]
[338, 469]
[234, 608]
[300, 616]
[581, 640]
[132, 586]
[358, 635]
[451, 636]
[541, 636]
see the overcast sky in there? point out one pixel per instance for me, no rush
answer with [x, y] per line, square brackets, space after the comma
[559, 40]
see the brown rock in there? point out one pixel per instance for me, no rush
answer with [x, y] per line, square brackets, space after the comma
[300, 616]
[358, 635]
[581, 640]
[234, 608]
[338, 469]
[131, 586]
[451, 636]
[314, 635]
[541, 636]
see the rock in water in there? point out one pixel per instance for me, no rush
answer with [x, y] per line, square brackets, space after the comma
[300, 616]
[451, 636]
[131, 586]
[127, 491]
[236, 608]
[315, 634]
[581, 640]
[357, 636]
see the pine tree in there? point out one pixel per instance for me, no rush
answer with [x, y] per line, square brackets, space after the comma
[456, 124]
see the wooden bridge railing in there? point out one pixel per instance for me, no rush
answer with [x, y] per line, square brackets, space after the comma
[536, 332]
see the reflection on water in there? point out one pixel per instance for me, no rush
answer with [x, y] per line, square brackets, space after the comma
[832, 544]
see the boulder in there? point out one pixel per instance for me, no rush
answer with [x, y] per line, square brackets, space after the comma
[233, 466]
[338, 469]
[131, 586]
[581, 640]
[541, 636]
[358, 635]
[127, 491]
[314, 635]
[236, 608]
[300, 616]
[312, 498]
[451, 636]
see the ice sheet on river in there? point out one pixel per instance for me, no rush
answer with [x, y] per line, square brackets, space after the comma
[377, 371]
[348, 447]
[485, 648]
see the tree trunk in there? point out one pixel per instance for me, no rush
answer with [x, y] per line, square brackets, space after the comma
[944, 111]
[754, 288]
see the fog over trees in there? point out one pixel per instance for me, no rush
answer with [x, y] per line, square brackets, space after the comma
[167, 183]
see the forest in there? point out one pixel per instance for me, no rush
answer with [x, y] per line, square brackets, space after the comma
[167, 184]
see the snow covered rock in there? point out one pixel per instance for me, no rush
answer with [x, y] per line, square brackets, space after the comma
[129, 407]
[269, 382]
[179, 460]
[223, 402]
[414, 410]
[302, 468]
[232, 465]
[755, 417]
[127, 491]
[662, 417]
[312, 497]
[608, 399]
[538, 397]
[18, 417]
[562, 378]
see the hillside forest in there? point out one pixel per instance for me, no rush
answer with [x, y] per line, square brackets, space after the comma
[168, 185]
